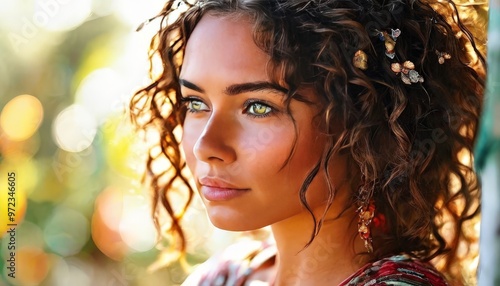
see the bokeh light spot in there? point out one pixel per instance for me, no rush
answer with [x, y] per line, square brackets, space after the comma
[35, 266]
[30, 235]
[21, 117]
[105, 222]
[74, 129]
[102, 86]
[67, 231]
[136, 227]
[71, 271]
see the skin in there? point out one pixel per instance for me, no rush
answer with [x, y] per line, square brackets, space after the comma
[223, 140]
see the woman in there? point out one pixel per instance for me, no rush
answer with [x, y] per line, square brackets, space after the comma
[342, 124]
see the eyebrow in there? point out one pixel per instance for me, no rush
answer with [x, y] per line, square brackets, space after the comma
[254, 86]
[191, 85]
[239, 88]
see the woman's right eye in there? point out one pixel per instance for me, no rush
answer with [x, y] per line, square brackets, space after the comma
[195, 105]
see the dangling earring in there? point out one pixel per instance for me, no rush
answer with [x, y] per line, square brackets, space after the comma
[366, 212]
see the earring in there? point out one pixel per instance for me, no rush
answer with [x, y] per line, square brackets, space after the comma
[366, 212]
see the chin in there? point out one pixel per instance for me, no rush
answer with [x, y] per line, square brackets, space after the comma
[231, 225]
[233, 222]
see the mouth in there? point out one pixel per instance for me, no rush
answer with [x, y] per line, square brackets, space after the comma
[213, 189]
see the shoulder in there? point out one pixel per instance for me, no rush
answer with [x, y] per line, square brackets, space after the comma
[234, 265]
[399, 270]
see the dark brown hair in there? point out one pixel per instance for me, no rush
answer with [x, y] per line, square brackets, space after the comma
[406, 142]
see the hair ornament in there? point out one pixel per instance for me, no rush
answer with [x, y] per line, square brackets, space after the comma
[360, 60]
[390, 41]
[408, 73]
[442, 56]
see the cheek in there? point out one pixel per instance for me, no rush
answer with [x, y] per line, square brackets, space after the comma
[190, 135]
[308, 152]
[266, 147]
[268, 162]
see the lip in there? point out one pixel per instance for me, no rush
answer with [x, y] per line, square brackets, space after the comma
[214, 189]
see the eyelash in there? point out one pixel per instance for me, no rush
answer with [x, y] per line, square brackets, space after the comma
[247, 105]
[250, 102]
[189, 100]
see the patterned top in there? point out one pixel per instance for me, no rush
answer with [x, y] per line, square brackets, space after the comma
[398, 270]
[239, 261]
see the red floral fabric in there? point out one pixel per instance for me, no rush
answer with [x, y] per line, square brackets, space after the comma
[239, 261]
[399, 270]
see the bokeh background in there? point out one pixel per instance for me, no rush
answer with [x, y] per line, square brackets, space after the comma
[67, 71]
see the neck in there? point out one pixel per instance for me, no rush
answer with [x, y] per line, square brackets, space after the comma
[328, 260]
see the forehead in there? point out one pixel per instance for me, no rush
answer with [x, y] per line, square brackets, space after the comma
[222, 47]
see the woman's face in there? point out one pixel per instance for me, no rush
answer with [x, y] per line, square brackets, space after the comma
[238, 135]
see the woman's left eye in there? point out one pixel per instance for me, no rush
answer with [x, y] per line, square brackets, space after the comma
[258, 109]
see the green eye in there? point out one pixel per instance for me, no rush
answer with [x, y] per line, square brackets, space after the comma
[196, 105]
[259, 109]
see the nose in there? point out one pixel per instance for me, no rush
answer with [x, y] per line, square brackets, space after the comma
[214, 145]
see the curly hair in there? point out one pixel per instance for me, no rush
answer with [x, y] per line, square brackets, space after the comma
[406, 143]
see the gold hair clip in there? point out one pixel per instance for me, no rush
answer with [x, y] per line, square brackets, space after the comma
[408, 73]
[390, 42]
[442, 56]
[360, 60]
